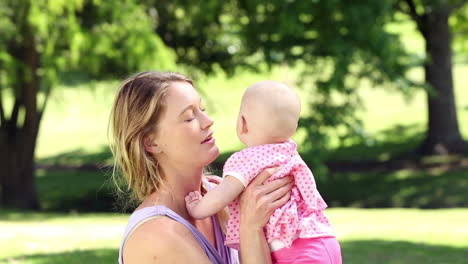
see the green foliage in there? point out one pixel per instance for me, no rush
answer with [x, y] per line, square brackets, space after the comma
[340, 45]
[459, 25]
[118, 37]
[101, 38]
[203, 33]
[44, 39]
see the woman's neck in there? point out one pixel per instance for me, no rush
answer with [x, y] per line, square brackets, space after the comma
[177, 184]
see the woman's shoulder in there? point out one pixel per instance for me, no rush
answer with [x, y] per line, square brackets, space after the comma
[162, 239]
[157, 227]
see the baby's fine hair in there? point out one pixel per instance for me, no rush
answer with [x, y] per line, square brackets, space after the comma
[276, 107]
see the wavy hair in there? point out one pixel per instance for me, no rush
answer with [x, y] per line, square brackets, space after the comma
[137, 108]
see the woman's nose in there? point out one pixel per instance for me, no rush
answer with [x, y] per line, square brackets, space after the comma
[207, 122]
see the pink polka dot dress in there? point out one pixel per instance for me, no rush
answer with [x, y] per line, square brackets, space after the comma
[302, 216]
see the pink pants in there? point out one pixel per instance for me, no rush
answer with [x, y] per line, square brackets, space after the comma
[320, 250]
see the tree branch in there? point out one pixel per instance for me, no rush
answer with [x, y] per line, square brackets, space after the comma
[44, 104]
[15, 112]
[459, 5]
[413, 13]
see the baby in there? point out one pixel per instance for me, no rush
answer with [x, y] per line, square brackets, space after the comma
[298, 231]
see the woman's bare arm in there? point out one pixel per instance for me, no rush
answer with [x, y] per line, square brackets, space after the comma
[258, 203]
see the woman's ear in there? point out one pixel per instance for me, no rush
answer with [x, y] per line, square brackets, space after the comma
[151, 146]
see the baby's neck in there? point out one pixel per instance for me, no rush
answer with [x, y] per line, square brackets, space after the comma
[266, 141]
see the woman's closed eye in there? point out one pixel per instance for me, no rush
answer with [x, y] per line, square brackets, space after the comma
[192, 117]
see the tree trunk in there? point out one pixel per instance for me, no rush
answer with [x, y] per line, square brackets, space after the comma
[18, 134]
[443, 135]
[17, 188]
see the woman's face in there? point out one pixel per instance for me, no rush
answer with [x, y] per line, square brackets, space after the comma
[184, 134]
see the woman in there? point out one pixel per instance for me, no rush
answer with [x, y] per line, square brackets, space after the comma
[162, 140]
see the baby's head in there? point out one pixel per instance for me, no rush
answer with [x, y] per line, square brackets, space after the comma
[269, 114]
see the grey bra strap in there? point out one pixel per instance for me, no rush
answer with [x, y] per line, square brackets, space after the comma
[148, 212]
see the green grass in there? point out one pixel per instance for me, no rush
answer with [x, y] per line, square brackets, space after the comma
[402, 235]
[395, 236]
[401, 188]
[59, 238]
[72, 190]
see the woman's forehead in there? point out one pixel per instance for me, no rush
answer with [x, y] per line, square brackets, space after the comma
[181, 93]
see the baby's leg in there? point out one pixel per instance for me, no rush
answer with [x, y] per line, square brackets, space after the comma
[321, 250]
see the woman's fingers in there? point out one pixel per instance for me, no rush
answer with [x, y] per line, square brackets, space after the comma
[278, 193]
[280, 202]
[258, 201]
[276, 184]
[263, 176]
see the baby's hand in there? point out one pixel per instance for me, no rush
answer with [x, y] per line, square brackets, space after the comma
[216, 180]
[192, 200]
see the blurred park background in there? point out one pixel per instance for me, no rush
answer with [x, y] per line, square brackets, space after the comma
[384, 122]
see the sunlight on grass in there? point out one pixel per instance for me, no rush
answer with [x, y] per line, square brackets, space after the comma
[366, 235]
[39, 233]
[436, 227]
[77, 117]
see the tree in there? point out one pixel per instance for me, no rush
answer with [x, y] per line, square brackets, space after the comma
[432, 20]
[40, 40]
[355, 33]
[340, 43]
[198, 32]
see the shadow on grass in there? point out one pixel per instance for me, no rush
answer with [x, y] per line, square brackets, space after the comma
[396, 189]
[78, 159]
[75, 190]
[92, 191]
[398, 142]
[71, 257]
[400, 252]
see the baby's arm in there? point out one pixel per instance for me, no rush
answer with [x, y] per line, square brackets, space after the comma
[215, 200]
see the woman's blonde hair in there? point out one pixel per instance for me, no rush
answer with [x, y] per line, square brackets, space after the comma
[135, 114]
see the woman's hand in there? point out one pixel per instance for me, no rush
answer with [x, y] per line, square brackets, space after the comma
[257, 203]
[260, 199]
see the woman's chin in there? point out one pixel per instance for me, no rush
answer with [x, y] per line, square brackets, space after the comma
[213, 154]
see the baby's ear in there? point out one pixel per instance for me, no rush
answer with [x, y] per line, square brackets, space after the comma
[151, 146]
[244, 127]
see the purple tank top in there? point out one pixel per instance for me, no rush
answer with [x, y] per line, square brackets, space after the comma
[219, 255]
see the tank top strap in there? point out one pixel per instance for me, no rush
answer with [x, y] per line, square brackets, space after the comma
[148, 212]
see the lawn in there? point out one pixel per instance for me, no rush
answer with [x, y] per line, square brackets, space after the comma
[390, 236]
